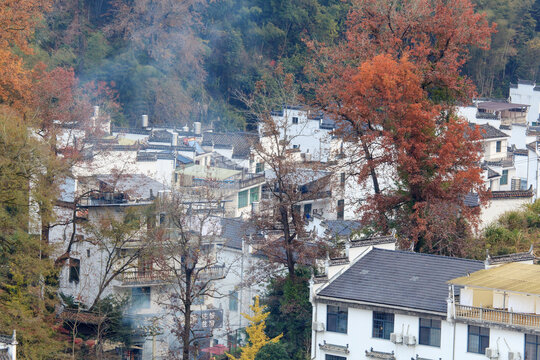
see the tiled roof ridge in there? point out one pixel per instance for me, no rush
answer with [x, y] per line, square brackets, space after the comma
[427, 255]
[512, 193]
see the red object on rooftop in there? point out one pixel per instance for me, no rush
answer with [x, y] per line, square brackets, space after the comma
[218, 349]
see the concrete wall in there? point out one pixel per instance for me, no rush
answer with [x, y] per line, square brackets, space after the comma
[525, 94]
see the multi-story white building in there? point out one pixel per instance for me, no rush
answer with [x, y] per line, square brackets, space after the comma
[388, 304]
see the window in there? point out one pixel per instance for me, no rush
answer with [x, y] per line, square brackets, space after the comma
[233, 301]
[74, 270]
[340, 209]
[334, 357]
[383, 325]
[259, 167]
[140, 297]
[253, 195]
[498, 146]
[145, 267]
[295, 146]
[87, 252]
[532, 347]
[478, 339]
[336, 319]
[295, 120]
[162, 219]
[242, 199]
[307, 210]
[504, 177]
[430, 332]
[342, 179]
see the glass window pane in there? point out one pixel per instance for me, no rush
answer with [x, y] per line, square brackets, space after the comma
[484, 344]
[435, 337]
[474, 343]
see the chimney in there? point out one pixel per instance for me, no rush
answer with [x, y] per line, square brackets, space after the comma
[197, 128]
[145, 121]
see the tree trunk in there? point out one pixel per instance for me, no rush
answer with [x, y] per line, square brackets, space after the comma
[372, 172]
[187, 318]
[289, 253]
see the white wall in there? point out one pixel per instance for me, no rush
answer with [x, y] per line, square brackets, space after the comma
[525, 94]
[359, 338]
[497, 207]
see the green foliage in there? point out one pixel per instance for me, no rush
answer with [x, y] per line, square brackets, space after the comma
[273, 351]
[290, 313]
[27, 298]
[514, 231]
[514, 48]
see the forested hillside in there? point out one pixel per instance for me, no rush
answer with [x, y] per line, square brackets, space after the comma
[183, 60]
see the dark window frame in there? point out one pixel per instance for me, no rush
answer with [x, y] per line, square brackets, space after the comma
[233, 300]
[504, 178]
[429, 336]
[383, 325]
[243, 199]
[74, 270]
[535, 354]
[337, 318]
[141, 297]
[334, 357]
[498, 146]
[295, 120]
[482, 342]
[340, 209]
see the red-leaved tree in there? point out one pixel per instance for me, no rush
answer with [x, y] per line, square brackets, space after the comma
[392, 85]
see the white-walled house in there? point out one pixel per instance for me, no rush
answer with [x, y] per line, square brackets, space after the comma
[503, 304]
[308, 131]
[8, 346]
[526, 92]
[218, 319]
[387, 304]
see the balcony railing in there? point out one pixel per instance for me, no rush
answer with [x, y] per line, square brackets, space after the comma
[213, 272]
[497, 316]
[136, 277]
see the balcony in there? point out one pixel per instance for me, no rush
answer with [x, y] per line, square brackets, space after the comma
[215, 272]
[531, 321]
[146, 277]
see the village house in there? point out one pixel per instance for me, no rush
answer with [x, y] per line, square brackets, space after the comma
[388, 304]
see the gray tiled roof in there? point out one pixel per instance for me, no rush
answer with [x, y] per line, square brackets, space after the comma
[234, 230]
[471, 199]
[342, 227]
[400, 278]
[488, 132]
[240, 141]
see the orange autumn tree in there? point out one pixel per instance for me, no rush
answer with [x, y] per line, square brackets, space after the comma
[392, 85]
[18, 19]
[435, 163]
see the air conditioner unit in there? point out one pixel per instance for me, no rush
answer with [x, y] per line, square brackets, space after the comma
[514, 355]
[409, 339]
[492, 353]
[396, 338]
[318, 326]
